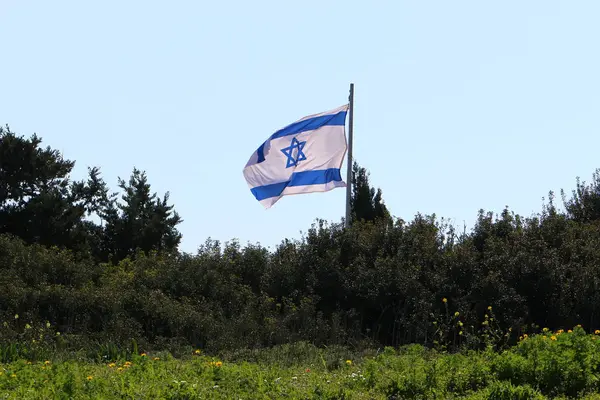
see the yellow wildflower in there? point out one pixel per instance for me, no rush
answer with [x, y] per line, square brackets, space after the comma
[578, 326]
[559, 331]
[569, 331]
[112, 365]
[128, 363]
[47, 362]
[218, 363]
[456, 314]
[89, 378]
[120, 369]
[13, 376]
[490, 308]
[197, 351]
[444, 300]
[597, 331]
[545, 329]
[460, 323]
[460, 333]
[552, 337]
[143, 355]
[156, 358]
[349, 362]
[525, 336]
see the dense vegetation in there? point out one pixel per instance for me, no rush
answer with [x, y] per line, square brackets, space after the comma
[106, 270]
[557, 365]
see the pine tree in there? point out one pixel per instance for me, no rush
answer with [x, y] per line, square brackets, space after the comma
[366, 203]
[38, 201]
[141, 222]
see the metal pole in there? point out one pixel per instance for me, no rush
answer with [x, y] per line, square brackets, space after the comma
[349, 173]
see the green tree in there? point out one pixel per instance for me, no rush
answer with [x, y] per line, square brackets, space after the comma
[142, 221]
[584, 205]
[366, 203]
[38, 201]
[40, 204]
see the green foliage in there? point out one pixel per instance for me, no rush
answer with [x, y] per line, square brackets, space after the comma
[366, 204]
[38, 201]
[506, 391]
[559, 363]
[41, 205]
[370, 285]
[108, 287]
[27, 340]
[537, 368]
[141, 222]
[584, 205]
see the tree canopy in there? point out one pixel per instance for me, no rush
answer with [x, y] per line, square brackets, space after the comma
[102, 266]
[366, 203]
[39, 203]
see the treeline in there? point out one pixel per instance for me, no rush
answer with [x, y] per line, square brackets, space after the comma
[383, 281]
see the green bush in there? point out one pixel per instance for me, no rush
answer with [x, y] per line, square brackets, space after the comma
[374, 284]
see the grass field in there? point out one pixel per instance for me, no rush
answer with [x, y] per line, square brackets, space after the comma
[549, 365]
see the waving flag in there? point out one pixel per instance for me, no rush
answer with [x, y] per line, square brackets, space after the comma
[304, 157]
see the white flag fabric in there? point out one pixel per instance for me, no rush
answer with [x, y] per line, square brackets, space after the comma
[304, 157]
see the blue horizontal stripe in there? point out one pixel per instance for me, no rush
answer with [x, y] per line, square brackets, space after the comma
[315, 177]
[311, 124]
[303, 126]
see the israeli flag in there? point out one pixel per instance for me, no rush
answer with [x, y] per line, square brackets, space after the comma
[304, 157]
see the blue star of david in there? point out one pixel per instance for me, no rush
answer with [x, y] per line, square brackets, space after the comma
[289, 153]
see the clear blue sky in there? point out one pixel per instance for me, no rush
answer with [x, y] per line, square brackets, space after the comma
[459, 105]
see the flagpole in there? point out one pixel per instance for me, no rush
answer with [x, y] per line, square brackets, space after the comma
[349, 172]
